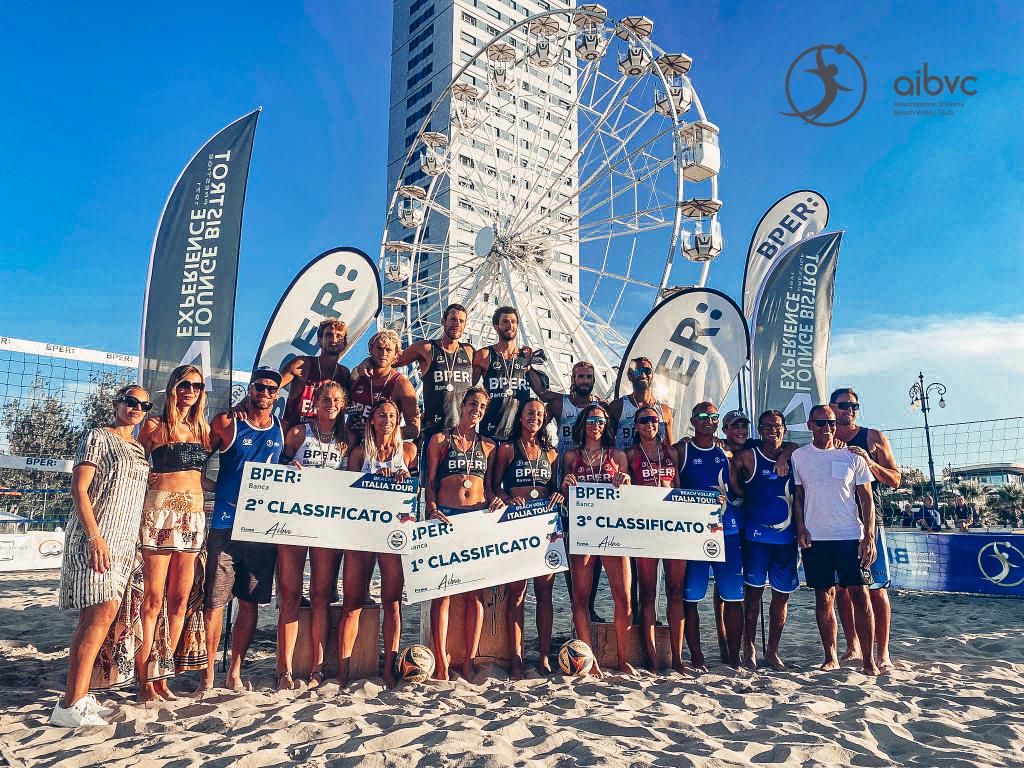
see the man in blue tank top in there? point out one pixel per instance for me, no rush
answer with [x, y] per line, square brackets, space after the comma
[769, 536]
[240, 569]
[704, 466]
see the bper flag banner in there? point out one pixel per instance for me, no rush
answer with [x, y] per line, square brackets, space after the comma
[483, 549]
[797, 215]
[193, 268]
[645, 521]
[697, 340]
[792, 322]
[327, 508]
[342, 282]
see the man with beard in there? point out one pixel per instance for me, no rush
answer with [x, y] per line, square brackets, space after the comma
[873, 446]
[379, 381]
[305, 373]
[446, 368]
[622, 411]
[564, 410]
[503, 368]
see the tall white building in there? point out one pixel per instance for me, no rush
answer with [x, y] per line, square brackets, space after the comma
[493, 166]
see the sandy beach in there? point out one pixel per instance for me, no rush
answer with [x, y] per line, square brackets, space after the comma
[955, 701]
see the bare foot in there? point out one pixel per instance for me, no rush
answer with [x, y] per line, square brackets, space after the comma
[829, 665]
[316, 679]
[870, 668]
[750, 656]
[852, 654]
[544, 666]
[285, 681]
[205, 684]
[652, 666]
[700, 667]
[441, 671]
[390, 678]
[679, 667]
[160, 686]
[234, 683]
[516, 673]
[595, 671]
[773, 658]
[146, 693]
[469, 670]
[626, 668]
[886, 665]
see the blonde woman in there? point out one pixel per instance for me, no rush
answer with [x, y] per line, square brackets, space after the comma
[383, 452]
[173, 521]
[323, 444]
[108, 484]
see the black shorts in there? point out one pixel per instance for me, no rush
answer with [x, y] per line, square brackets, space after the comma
[242, 569]
[834, 563]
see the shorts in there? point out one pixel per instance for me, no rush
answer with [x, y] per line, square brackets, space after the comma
[833, 563]
[242, 569]
[771, 564]
[728, 575]
[880, 578]
[173, 521]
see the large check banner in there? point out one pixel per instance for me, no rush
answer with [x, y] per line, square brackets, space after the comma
[643, 521]
[483, 549]
[324, 508]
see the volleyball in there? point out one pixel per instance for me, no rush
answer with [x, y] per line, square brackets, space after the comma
[575, 658]
[415, 663]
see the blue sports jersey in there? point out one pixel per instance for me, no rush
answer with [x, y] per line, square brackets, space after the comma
[707, 469]
[250, 444]
[768, 504]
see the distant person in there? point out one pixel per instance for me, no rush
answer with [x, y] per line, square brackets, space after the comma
[873, 446]
[927, 517]
[305, 373]
[835, 520]
[240, 569]
[108, 486]
[963, 514]
[907, 516]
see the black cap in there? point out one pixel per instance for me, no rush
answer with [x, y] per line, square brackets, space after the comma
[266, 372]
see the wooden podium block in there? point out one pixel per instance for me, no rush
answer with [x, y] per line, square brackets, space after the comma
[365, 655]
[606, 647]
[494, 645]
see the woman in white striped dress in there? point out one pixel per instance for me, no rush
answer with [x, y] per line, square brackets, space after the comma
[108, 487]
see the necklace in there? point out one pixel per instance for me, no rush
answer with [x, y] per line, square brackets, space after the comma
[466, 483]
[590, 462]
[450, 368]
[647, 458]
[506, 367]
[324, 446]
[534, 468]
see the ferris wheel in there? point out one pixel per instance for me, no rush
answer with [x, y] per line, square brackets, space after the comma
[562, 171]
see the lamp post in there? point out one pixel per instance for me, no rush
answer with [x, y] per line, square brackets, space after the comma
[919, 397]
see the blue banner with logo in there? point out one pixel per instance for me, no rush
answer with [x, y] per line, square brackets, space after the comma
[980, 563]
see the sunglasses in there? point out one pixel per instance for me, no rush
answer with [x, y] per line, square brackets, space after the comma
[648, 420]
[597, 420]
[190, 386]
[822, 423]
[707, 417]
[261, 388]
[133, 402]
[771, 427]
[642, 370]
[847, 406]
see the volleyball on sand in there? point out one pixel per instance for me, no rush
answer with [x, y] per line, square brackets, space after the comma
[415, 663]
[575, 658]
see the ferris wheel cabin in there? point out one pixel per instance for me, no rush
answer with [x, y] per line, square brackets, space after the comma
[435, 153]
[679, 96]
[591, 41]
[698, 151]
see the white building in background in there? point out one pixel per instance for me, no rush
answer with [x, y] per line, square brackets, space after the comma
[431, 41]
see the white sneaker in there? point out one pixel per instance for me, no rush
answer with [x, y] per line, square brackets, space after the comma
[94, 706]
[75, 716]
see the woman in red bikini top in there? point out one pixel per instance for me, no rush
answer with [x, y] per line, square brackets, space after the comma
[598, 461]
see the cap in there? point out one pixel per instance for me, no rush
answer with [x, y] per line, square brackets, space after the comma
[266, 372]
[734, 416]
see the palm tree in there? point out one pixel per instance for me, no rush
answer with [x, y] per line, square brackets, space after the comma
[1008, 502]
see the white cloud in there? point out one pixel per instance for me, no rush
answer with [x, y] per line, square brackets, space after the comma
[979, 358]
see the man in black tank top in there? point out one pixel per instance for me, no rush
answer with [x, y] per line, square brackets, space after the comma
[446, 369]
[502, 368]
[873, 446]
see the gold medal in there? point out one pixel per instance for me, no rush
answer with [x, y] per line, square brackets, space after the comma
[450, 387]
[534, 493]
[467, 483]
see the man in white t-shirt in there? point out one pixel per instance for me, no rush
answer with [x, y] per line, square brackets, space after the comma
[837, 537]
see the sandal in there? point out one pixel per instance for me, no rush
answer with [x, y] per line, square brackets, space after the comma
[285, 681]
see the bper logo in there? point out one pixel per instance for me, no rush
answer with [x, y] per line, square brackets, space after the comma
[831, 75]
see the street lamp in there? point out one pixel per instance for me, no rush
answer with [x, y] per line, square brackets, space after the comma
[919, 397]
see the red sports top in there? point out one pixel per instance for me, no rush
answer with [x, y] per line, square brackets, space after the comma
[652, 471]
[602, 471]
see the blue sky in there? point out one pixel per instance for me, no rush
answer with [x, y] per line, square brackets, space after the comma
[104, 107]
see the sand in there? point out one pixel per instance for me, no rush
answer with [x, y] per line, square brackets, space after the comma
[958, 700]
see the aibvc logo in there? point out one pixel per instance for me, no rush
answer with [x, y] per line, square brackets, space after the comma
[927, 94]
[825, 86]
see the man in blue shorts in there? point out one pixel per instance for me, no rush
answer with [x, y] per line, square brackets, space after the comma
[873, 446]
[835, 523]
[704, 466]
[769, 536]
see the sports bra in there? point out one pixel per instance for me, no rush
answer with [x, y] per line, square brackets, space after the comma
[466, 463]
[396, 463]
[321, 454]
[602, 472]
[653, 470]
[521, 472]
[179, 457]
